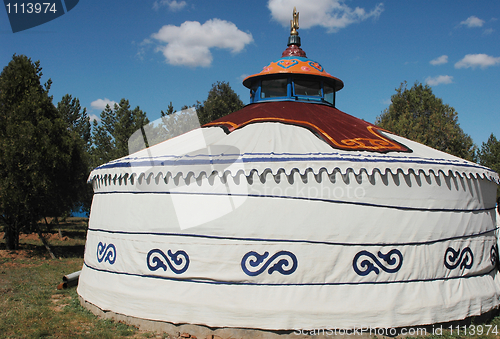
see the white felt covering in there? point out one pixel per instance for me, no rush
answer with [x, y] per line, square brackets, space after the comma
[179, 232]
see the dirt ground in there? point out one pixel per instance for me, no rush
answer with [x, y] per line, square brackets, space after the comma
[71, 244]
[13, 254]
[34, 236]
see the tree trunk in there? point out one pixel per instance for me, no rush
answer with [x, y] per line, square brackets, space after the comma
[11, 237]
[58, 226]
[44, 241]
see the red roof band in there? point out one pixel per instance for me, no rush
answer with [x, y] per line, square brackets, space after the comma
[338, 129]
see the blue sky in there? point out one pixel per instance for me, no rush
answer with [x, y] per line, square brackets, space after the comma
[153, 52]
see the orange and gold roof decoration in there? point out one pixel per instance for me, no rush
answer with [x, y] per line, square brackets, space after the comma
[295, 65]
[294, 61]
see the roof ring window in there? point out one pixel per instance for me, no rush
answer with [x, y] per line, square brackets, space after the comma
[329, 94]
[273, 88]
[307, 88]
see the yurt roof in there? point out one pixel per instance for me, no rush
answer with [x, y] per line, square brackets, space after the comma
[275, 146]
[286, 134]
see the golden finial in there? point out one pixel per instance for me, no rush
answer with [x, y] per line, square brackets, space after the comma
[294, 23]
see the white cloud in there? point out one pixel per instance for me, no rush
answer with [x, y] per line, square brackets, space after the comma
[189, 44]
[443, 59]
[477, 60]
[473, 21]
[488, 31]
[331, 14]
[441, 79]
[100, 104]
[142, 47]
[94, 117]
[243, 76]
[172, 5]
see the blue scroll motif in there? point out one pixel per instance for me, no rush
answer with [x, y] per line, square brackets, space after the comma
[254, 259]
[393, 259]
[494, 255]
[157, 259]
[106, 253]
[452, 258]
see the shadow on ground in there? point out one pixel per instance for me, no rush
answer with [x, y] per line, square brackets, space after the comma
[60, 251]
[66, 239]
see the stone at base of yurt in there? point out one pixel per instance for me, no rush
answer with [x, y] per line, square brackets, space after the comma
[191, 331]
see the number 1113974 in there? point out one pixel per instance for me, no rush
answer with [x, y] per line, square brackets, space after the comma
[31, 8]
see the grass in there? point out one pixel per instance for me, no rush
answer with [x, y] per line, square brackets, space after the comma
[30, 304]
[32, 307]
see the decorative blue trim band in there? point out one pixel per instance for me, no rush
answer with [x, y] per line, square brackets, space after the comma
[213, 282]
[291, 240]
[323, 155]
[230, 158]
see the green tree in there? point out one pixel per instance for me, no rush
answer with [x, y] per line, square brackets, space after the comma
[111, 136]
[76, 118]
[177, 123]
[221, 101]
[417, 114]
[42, 166]
[170, 110]
[170, 125]
[78, 121]
[102, 150]
[489, 156]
